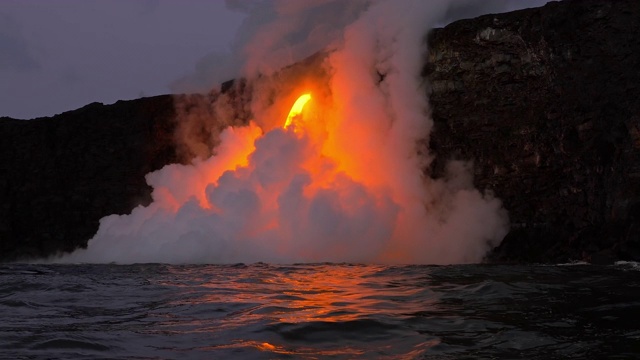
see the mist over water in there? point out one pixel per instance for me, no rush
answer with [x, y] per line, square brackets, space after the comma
[345, 183]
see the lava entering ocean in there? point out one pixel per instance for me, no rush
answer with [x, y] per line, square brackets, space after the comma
[341, 178]
[296, 109]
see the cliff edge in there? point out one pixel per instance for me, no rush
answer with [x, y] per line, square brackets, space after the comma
[546, 102]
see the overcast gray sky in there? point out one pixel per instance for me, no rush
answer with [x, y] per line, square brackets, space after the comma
[59, 55]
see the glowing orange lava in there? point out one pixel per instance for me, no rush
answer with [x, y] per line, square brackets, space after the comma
[296, 109]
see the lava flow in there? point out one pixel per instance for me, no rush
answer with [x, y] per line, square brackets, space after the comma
[296, 109]
[340, 178]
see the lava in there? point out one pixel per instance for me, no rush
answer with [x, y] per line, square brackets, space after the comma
[350, 183]
[296, 109]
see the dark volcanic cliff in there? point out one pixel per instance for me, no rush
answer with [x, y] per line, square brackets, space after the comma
[60, 175]
[545, 102]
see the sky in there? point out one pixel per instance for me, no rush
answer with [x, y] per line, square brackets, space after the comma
[59, 55]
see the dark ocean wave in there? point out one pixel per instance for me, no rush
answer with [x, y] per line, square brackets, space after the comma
[343, 311]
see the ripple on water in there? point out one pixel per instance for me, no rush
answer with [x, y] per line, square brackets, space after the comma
[318, 310]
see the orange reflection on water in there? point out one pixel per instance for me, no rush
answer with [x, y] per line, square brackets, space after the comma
[331, 294]
[298, 293]
[297, 310]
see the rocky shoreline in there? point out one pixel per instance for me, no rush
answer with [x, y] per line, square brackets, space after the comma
[545, 102]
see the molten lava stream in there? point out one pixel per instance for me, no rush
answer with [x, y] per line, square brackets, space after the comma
[311, 128]
[296, 110]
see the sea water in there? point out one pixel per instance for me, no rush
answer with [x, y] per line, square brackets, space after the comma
[311, 311]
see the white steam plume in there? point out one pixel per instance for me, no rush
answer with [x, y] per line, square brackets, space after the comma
[354, 193]
[276, 33]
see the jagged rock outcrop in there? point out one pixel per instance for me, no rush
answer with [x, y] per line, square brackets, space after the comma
[60, 175]
[545, 102]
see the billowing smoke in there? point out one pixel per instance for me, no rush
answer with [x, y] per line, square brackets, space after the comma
[347, 182]
[276, 33]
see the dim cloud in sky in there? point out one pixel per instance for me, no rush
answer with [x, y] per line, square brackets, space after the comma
[59, 55]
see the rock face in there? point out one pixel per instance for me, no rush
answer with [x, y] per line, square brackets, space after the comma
[545, 102]
[60, 175]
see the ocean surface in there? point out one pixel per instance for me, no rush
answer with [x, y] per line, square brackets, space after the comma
[315, 311]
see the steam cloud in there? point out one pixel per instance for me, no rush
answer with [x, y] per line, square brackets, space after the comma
[349, 187]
